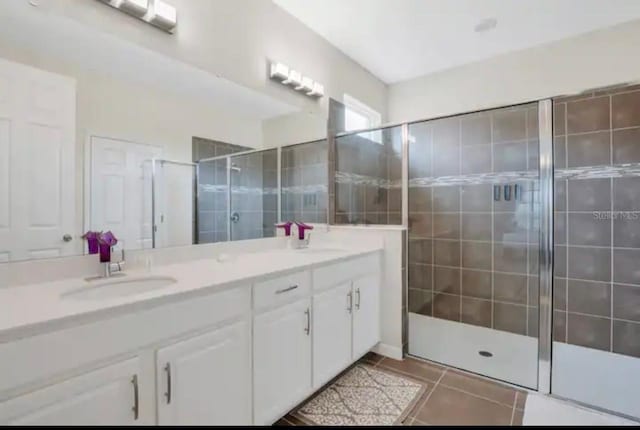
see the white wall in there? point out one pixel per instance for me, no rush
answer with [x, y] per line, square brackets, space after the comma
[293, 128]
[596, 59]
[234, 39]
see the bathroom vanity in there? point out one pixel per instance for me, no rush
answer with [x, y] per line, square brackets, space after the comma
[235, 341]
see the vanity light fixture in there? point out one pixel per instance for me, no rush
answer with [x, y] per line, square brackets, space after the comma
[317, 91]
[303, 84]
[294, 79]
[155, 12]
[164, 15]
[306, 85]
[279, 71]
[133, 7]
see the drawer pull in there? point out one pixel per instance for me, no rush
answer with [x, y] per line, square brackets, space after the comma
[167, 369]
[136, 399]
[286, 290]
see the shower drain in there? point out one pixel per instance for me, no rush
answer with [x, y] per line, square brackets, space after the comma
[485, 353]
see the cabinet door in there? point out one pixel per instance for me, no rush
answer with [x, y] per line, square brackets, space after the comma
[206, 380]
[282, 360]
[366, 314]
[331, 333]
[106, 396]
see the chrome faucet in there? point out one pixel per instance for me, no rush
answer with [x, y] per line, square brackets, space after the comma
[111, 267]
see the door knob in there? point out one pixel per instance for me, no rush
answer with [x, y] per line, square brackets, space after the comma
[67, 238]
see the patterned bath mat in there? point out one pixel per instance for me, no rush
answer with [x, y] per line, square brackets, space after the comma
[363, 396]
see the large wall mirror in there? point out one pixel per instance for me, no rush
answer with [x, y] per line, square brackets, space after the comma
[101, 133]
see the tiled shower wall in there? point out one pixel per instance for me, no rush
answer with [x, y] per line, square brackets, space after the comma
[254, 184]
[597, 220]
[304, 182]
[473, 219]
[211, 218]
[368, 177]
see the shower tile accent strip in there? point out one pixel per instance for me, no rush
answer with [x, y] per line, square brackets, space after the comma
[597, 218]
[368, 177]
[473, 259]
[304, 182]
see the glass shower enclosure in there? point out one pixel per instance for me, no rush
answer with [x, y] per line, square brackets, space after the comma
[473, 246]
[523, 239]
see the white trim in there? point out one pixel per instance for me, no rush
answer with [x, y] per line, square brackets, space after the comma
[388, 351]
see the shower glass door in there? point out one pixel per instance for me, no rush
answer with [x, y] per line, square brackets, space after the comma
[253, 194]
[474, 213]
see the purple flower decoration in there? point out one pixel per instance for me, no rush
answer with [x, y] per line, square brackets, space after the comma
[92, 241]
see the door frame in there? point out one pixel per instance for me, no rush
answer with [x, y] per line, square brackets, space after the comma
[86, 180]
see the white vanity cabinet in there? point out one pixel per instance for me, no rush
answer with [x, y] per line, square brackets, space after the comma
[366, 314]
[346, 317]
[332, 335]
[242, 353]
[206, 380]
[282, 360]
[106, 396]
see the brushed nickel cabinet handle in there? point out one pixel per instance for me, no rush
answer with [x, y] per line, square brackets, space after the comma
[285, 290]
[136, 398]
[350, 301]
[167, 368]
[307, 329]
[357, 298]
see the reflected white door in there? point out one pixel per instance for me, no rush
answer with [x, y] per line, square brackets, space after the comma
[120, 191]
[174, 191]
[37, 163]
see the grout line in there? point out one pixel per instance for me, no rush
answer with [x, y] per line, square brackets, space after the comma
[513, 411]
[419, 408]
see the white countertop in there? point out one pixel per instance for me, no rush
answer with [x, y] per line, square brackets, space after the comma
[30, 309]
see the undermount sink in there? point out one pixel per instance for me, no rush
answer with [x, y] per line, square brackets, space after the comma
[122, 287]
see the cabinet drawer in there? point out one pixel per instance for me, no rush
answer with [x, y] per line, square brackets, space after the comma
[281, 289]
[344, 271]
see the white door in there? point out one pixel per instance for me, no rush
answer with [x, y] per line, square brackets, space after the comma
[282, 360]
[366, 314]
[174, 192]
[120, 190]
[37, 164]
[331, 333]
[107, 396]
[206, 380]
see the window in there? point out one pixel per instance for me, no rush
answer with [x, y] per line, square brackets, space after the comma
[358, 116]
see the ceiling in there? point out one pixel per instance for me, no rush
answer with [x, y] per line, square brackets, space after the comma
[60, 37]
[398, 40]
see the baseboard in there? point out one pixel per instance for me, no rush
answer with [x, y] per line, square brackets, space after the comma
[388, 351]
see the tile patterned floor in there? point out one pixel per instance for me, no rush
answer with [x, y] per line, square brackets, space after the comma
[452, 397]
